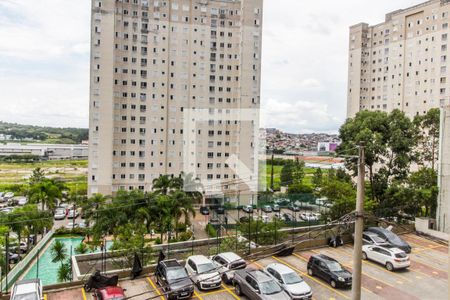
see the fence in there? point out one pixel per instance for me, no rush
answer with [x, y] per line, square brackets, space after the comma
[23, 265]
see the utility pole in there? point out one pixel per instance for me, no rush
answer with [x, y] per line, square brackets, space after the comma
[359, 226]
[271, 173]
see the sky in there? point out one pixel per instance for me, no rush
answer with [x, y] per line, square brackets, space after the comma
[44, 61]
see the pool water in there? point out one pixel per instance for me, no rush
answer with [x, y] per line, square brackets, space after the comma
[48, 270]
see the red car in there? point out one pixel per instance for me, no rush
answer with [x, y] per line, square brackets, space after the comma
[110, 293]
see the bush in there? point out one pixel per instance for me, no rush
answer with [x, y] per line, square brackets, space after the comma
[63, 231]
[211, 231]
[158, 241]
[185, 236]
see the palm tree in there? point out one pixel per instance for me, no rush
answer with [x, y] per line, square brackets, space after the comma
[45, 192]
[65, 272]
[81, 249]
[162, 184]
[59, 252]
[181, 207]
[192, 186]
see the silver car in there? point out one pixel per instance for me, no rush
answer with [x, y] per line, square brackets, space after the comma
[290, 281]
[60, 214]
[27, 289]
[257, 285]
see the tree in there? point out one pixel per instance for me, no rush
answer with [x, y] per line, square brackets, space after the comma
[424, 185]
[163, 184]
[317, 178]
[37, 176]
[388, 140]
[65, 272]
[58, 251]
[286, 174]
[82, 248]
[46, 192]
[428, 127]
[298, 171]
[342, 195]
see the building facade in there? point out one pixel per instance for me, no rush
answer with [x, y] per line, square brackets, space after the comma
[156, 63]
[401, 63]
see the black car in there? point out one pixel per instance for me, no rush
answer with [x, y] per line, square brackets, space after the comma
[220, 210]
[204, 210]
[171, 275]
[391, 238]
[329, 270]
[294, 207]
[244, 219]
[287, 217]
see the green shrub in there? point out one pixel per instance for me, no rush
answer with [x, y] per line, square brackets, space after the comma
[211, 231]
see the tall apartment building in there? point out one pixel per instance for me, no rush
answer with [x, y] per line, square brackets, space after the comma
[152, 62]
[401, 63]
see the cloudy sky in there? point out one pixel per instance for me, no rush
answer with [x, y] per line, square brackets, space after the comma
[44, 60]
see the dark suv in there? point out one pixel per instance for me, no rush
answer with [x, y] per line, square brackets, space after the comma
[329, 270]
[171, 275]
[391, 238]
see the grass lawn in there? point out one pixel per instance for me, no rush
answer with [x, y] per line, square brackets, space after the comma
[307, 180]
[13, 176]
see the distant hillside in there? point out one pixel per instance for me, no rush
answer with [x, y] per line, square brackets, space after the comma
[29, 133]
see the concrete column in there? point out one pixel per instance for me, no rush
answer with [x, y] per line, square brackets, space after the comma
[443, 208]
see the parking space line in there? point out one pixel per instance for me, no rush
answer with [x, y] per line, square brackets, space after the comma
[312, 278]
[45, 297]
[424, 249]
[83, 293]
[197, 295]
[301, 257]
[211, 293]
[155, 288]
[231, 292]
[416, 237]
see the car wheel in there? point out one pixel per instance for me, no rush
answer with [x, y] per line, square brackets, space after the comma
[333, 284]
[389, 266]
[364, 255]
[237, 289]
[225, 279]
[310, 272]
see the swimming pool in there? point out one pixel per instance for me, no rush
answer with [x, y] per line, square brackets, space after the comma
[48, 270]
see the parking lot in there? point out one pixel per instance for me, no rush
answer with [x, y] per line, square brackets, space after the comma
[425, 279]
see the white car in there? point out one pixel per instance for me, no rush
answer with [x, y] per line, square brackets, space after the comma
[227, 263]
[204, 273]
[309, 217]
[247, 208]
[27, 289]
[391, 258]
[290, 281]
[73, 214]
[60, 214]
[71, 226]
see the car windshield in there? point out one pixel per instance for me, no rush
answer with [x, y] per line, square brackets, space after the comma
[401, 255]
[334, 266]
[292, 278]
[204, 268]
[378, 239]
[393, 238]
[174, 274]
[28, 296]
[270, 287]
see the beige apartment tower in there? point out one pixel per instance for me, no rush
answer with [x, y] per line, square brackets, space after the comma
[156, 65]
[401, 63]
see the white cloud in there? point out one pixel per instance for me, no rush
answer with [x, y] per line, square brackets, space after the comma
[44, 59]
